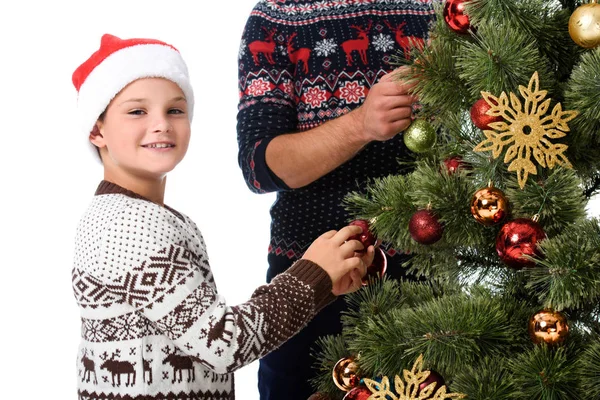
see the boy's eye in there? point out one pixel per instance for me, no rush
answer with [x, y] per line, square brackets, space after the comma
[136, 112]
[176, 111]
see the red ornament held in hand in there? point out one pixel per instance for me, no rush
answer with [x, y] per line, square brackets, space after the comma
[517, 238]
[366, 237]
[377, 268]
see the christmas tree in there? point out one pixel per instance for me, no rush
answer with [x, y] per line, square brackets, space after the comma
[506, 156]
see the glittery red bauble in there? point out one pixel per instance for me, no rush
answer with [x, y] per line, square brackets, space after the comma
[455, 17]
[366, 237]
[377, 268]
[516, 238]
[358, 393]
[433, 377]
[453, 164]
[425, 228]
[479, 116]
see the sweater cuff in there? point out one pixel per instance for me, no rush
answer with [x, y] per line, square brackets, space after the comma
[263, 172]
[315, 277]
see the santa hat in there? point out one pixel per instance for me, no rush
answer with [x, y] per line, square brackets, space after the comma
[117, 63]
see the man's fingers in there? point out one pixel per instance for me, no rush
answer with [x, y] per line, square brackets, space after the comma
[395, 74]
[400, 113]
[397, 88]
[400, 125]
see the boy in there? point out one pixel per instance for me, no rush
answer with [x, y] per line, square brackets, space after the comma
[153, 323]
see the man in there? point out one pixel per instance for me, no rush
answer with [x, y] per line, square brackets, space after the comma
[320, 115]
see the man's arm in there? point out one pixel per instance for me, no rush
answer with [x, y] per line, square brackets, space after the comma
[299, 159]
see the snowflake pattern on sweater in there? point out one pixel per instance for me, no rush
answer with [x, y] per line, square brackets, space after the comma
[302, 63]
[153, 324]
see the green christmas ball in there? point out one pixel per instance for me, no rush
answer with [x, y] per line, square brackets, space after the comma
[420, 136]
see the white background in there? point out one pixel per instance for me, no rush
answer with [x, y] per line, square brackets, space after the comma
[48, 176]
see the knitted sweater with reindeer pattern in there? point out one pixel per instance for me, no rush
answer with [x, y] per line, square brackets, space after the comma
[153, 324]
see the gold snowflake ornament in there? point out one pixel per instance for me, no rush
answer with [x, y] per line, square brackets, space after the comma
[527, 129]
[408, 391]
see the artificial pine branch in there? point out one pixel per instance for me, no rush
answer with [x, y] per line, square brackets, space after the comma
[451, 331]
[380, 296]
[499, 59]
[589, 364]
[440, 90]
[544, 373]
[386, 202]
[327, 352]
[583, 94]
[486, 380]
[554, 195]
[567, 276]
[449, 196]
[592, 187]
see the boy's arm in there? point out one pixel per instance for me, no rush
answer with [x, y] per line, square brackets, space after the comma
[173, 287]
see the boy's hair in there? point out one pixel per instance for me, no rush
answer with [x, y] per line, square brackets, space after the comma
[117, 63]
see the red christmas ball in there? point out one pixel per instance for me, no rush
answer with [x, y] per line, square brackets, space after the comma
[358, 393]
[377, 268]
[366, 237]
[433, 377]
[517, 238]
[455, 17]
[453, 164]
[479, 115]
[425, 228]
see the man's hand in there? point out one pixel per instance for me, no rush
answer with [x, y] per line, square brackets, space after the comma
[387, 110]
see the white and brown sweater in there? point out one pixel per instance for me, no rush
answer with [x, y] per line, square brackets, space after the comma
[153, 324]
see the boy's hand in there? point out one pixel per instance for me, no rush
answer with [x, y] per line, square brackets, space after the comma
[333, 252]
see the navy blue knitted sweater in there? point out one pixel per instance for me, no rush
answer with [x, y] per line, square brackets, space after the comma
[302, 63]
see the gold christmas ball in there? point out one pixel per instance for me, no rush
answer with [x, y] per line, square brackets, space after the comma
[584, 25]
[548, 326]
[489, 206]
[344, 374]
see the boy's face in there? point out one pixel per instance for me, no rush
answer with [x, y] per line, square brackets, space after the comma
[145, 131]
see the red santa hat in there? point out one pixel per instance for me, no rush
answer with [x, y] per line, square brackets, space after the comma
[117, 63]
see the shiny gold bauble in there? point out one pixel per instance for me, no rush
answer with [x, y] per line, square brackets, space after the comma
[584, 25]
[548, 326]
[489, 206]
[344, 374]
